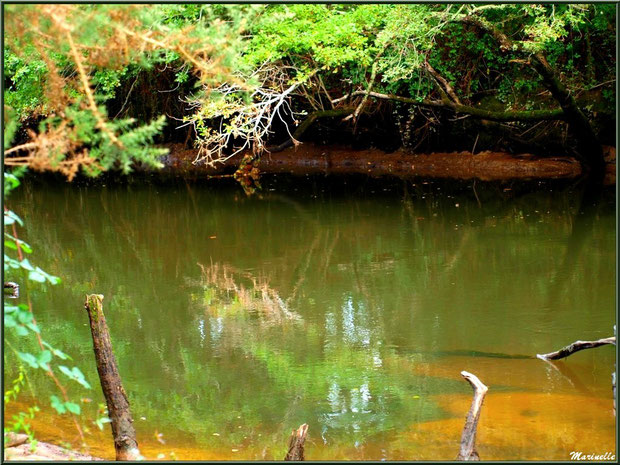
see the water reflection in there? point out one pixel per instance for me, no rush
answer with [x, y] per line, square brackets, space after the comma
[236, 319]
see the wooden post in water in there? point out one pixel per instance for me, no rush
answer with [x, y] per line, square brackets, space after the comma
[468, 439]
[123, 431]
[296, 444]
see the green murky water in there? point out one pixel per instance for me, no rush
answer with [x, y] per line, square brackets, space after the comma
[236, 319]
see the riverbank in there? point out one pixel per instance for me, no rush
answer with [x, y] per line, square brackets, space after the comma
[308, 159]
[17, 447]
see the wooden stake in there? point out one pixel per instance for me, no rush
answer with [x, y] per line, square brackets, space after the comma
[468, 439]
[576, 347]
[296, 444]
[123, 431]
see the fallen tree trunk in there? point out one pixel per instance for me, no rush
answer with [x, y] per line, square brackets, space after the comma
[314, 159]
[576, 347]
[468, 439]
[123, 431]
[296, 444]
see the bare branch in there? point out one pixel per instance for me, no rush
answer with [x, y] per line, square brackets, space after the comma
[468, 439]
[528, 115]
[576, 347]
[442, 82]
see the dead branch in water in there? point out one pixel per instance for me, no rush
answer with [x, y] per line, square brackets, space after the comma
[576, 347]
[468, 439]
[296, 444]
[123, 431]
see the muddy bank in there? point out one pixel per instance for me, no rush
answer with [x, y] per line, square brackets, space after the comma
[313, 159]
[18, 448]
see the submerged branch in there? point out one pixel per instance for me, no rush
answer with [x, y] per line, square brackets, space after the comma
[576, 347]
[468, 439]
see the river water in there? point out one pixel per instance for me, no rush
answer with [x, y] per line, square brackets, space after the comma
[351, 307]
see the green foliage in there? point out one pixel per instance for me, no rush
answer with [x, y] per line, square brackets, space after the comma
[25, 95]
[75, 374]
[17, 385]
[21, 423]
[63, 407]
[260, 50]
[20, 323]
[62, 77]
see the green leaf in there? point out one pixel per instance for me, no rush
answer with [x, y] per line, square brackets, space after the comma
[33, 327]
[72, 407]
[10, 182]
[65, 370]
[10, 218]
[58, 353]
[79, 377]
[36, 276]
[14, 242]
[101, 421]
[58, 405]
[44, 358]
[25, 264]
[28, 358]
[21, 331]
[76, 375]
[10, 262]
[9, 321]
[8, 308]
[24, 316]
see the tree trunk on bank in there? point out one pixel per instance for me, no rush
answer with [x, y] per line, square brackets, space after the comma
[588, 146]
[123, 430]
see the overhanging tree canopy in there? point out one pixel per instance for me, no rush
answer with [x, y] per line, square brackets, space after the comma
[261, 66]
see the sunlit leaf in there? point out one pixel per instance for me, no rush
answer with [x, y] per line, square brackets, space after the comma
[36, 276]
[44, 358]
[29, 359]
[58, 405]
[73, 407]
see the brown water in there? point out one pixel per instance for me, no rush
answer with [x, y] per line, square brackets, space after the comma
[236, 319]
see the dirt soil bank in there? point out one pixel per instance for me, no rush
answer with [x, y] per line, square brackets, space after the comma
[314, 159]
